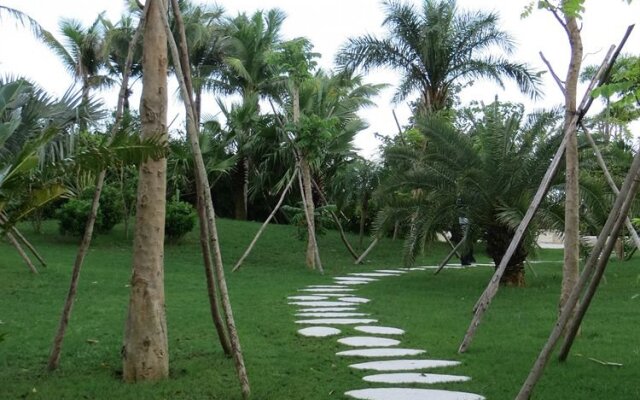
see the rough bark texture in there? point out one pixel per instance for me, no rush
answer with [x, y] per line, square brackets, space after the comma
[498, 238]
[310, 213]
[145, 351]
[570, 271]
[240, 188]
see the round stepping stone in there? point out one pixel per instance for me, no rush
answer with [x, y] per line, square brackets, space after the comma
[410, 394]
[354, 299]
[354, 279]
[415, 377]
[331, 314]
[327, 289]
[391, 271]
[379, 330]
[354, 282]
[368, 341]
[383, 352]
[325, 309]
[371, 274]
[337, 321]
[307, 298]
[319, 331]
[404, 365]
[335, 294]
[319, 303]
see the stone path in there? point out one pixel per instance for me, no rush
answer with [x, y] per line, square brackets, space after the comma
[332, 309]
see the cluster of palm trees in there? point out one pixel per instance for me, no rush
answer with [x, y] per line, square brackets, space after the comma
[290, 117]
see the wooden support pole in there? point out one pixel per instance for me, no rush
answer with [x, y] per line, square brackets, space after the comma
[22, 253]
[612, 184]
[452, 252]
[266, 222]
[614, 222]
[489, 293]
[367, 251]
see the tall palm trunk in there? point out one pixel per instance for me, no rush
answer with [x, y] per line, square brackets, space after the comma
[498, 238]
[241, 188]
[309, 211]
[570, 271]
[145, 352]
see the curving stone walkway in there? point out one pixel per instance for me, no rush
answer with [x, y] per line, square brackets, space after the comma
[332, 309]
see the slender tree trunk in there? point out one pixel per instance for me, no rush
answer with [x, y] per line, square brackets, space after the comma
[240, 188]
[309, 211]
[363, 216]
[570, 271]
[145, 352]
[204, 189]
[56, 348]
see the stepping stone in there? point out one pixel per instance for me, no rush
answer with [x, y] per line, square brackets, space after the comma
[307, 298]
[371, 274]
[383, 352]
[379, 330]
[328, 289]
[419, 268]
[319, 303]
[354, 279]
[415, 377]
[319, 331]
[391, 271]
[404, 365]
[354, 282]
[354, 299]
[325, 309]
[332, 294]
[368, 341]
[331, 314]
[410, 394]
[337, 321]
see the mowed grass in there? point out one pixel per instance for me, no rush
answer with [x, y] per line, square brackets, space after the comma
[434, 310]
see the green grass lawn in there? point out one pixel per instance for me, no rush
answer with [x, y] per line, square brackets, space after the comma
[434, 310]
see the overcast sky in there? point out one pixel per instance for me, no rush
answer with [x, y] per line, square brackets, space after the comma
[327, 24]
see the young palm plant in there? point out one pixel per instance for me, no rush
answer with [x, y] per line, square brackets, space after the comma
[486, 170]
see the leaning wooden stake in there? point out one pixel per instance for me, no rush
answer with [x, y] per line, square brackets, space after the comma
[612, 184]
[599, 255]
[452, 252]
[343, 236]
[266, 222]
[212, 289]
[366, 252]
[202, 185]
[22, 253]
[56, 348]
[492, 288]
[21, 239]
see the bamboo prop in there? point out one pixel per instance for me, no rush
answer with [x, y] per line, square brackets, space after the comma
[453, 251]
[210, 275]
[446, 238]
[343, 236]
[22, 253]
[612, 184]
[266, 222]
[202, 185]
[489, 293]
[366, 252]
[56, 348]
[4, 219]
[597, 261]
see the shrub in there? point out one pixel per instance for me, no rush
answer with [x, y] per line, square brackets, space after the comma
[180, 219]
[74, 213]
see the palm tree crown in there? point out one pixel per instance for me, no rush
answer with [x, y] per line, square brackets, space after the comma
[437, 49]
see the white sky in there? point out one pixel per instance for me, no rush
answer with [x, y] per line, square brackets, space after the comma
[327, 24]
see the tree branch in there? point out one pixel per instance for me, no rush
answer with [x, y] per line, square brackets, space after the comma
[553, 73]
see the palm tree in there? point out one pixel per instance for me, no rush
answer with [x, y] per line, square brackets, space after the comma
[487, 175]
[250, 73]
[82, 53]
[438, 50]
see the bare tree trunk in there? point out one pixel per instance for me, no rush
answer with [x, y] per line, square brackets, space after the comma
[367, 251]
[145, 352]
[20, 250]
[266, 222]
[570, 270]
[202, 183]
[363, 217]
[309, 212]
[21, 238]
[56, 348]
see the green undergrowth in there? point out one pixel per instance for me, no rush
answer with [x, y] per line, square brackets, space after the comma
[434, 310]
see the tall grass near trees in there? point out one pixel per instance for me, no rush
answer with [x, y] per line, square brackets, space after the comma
[434, 310]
